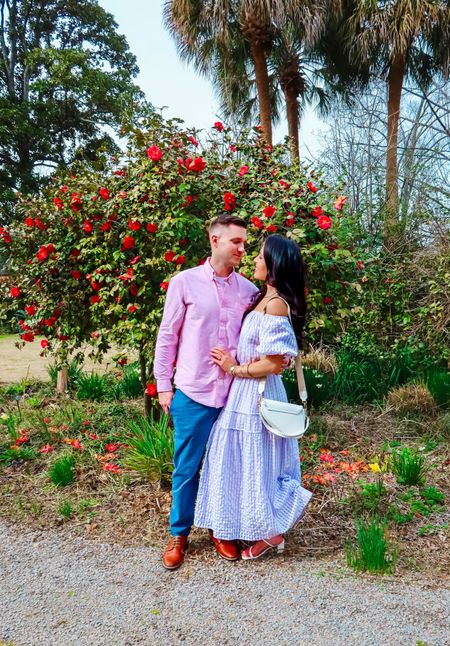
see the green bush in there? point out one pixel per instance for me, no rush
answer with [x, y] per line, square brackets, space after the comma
[371, 551]
[438, 382]
[408, 466]
[61, 472]
[150, 447]
[130, 386]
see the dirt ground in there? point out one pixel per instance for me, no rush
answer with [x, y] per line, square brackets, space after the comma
[27, 363]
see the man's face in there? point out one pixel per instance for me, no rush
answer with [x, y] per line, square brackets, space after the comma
[228, 244]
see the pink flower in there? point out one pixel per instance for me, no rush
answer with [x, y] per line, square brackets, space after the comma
[339, 202]
[154, 153]
[110, 448]
[47, 448]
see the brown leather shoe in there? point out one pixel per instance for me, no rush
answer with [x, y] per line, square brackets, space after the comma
[226, 549]
[173, 555]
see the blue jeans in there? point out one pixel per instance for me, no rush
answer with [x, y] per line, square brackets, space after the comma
[192, 423]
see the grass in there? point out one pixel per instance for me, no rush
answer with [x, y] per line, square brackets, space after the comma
[150, 449]
[61, 472]
[408, 466]
[65, 509]
[371, 552]
[93, 386]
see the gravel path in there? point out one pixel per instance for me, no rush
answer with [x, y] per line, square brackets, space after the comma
[57, 590]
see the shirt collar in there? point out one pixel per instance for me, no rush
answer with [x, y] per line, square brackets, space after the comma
[212, 274]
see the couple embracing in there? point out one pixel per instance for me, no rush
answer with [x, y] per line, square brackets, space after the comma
[231, 475]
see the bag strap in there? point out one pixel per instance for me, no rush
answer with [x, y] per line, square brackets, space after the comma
[298, 363]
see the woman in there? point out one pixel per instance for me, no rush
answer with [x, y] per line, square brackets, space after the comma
[250, 486]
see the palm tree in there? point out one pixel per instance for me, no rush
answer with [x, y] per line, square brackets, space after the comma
[406, 38]
[204, 31]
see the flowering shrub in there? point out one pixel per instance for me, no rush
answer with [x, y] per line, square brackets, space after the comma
[91, 259]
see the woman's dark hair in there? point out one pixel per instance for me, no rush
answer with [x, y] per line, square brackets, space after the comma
[285, 272]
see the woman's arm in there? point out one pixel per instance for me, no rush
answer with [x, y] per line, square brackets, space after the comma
[269, 365]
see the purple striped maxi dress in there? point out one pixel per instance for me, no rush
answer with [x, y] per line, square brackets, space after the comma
[250, 483]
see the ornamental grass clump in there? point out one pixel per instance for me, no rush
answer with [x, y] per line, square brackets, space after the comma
[413, 399]
[438, 382]
[150, 448]
[93, 386]
[61, 472]
[371, 552]
[408, 466]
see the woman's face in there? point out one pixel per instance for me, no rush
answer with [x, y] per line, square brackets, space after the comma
[260, 266]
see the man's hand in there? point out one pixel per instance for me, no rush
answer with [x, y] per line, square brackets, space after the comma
[165, 399]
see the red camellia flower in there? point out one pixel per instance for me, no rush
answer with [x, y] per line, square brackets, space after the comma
[44, 343]
[51, 248]
[131, 308]
[271, 228]
[63, 337]
[28, 337]
[243, 171]
[268, 211]
[283, 183]
[360, 264]
[39, 224]
[233, 148]
[193, 141]
[30, 310]
[87, 226]
[75, 202]
[110, 448]
[290, 219]
[164, 286]
[111, 467]
[123, 361]
[180, 260]
[151, 390]
[134, 225]
[339, 202]
[95, 299]
[311, 187]
[106, 226]
[169, 256]
[75, 444]
[151, 228]
[229, 201]
[154, 153]
[42, 254]
[218, 125]
[326, 457]
[47, 448]
[324, 222]
[15, 292]
[134, 290]
[29, 222]
[22, 440]
[128, 242]
[58, 202]
[317, 211]
[326, 300]
[76, 274]
[197, 165]
[257, 222]
[104, 193]
[75, 253]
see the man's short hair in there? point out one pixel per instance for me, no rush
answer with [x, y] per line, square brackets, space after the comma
[226, 219]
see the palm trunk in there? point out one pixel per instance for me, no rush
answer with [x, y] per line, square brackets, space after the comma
[293, 118]
[263, 89]
[395, 85]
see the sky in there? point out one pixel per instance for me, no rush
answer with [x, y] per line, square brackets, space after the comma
[167, 81]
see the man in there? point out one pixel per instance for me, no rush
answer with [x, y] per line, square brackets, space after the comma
[203, 309]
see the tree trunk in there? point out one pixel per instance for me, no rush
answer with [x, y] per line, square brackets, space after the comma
[62, 379]
[263, 89]
[395, 85]
[293, 118]
[147, 398]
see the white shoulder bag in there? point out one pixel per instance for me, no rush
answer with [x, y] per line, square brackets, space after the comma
[281, 418]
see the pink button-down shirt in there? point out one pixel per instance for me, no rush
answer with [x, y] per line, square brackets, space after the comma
[201, 311]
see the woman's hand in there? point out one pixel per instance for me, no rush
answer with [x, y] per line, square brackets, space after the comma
[222, 358]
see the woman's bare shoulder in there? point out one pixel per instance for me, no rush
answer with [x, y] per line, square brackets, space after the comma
[277, 307]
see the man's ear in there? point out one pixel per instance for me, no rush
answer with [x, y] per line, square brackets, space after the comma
[214, 238]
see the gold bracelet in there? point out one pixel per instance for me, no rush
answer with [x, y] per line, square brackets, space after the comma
[232, 369]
